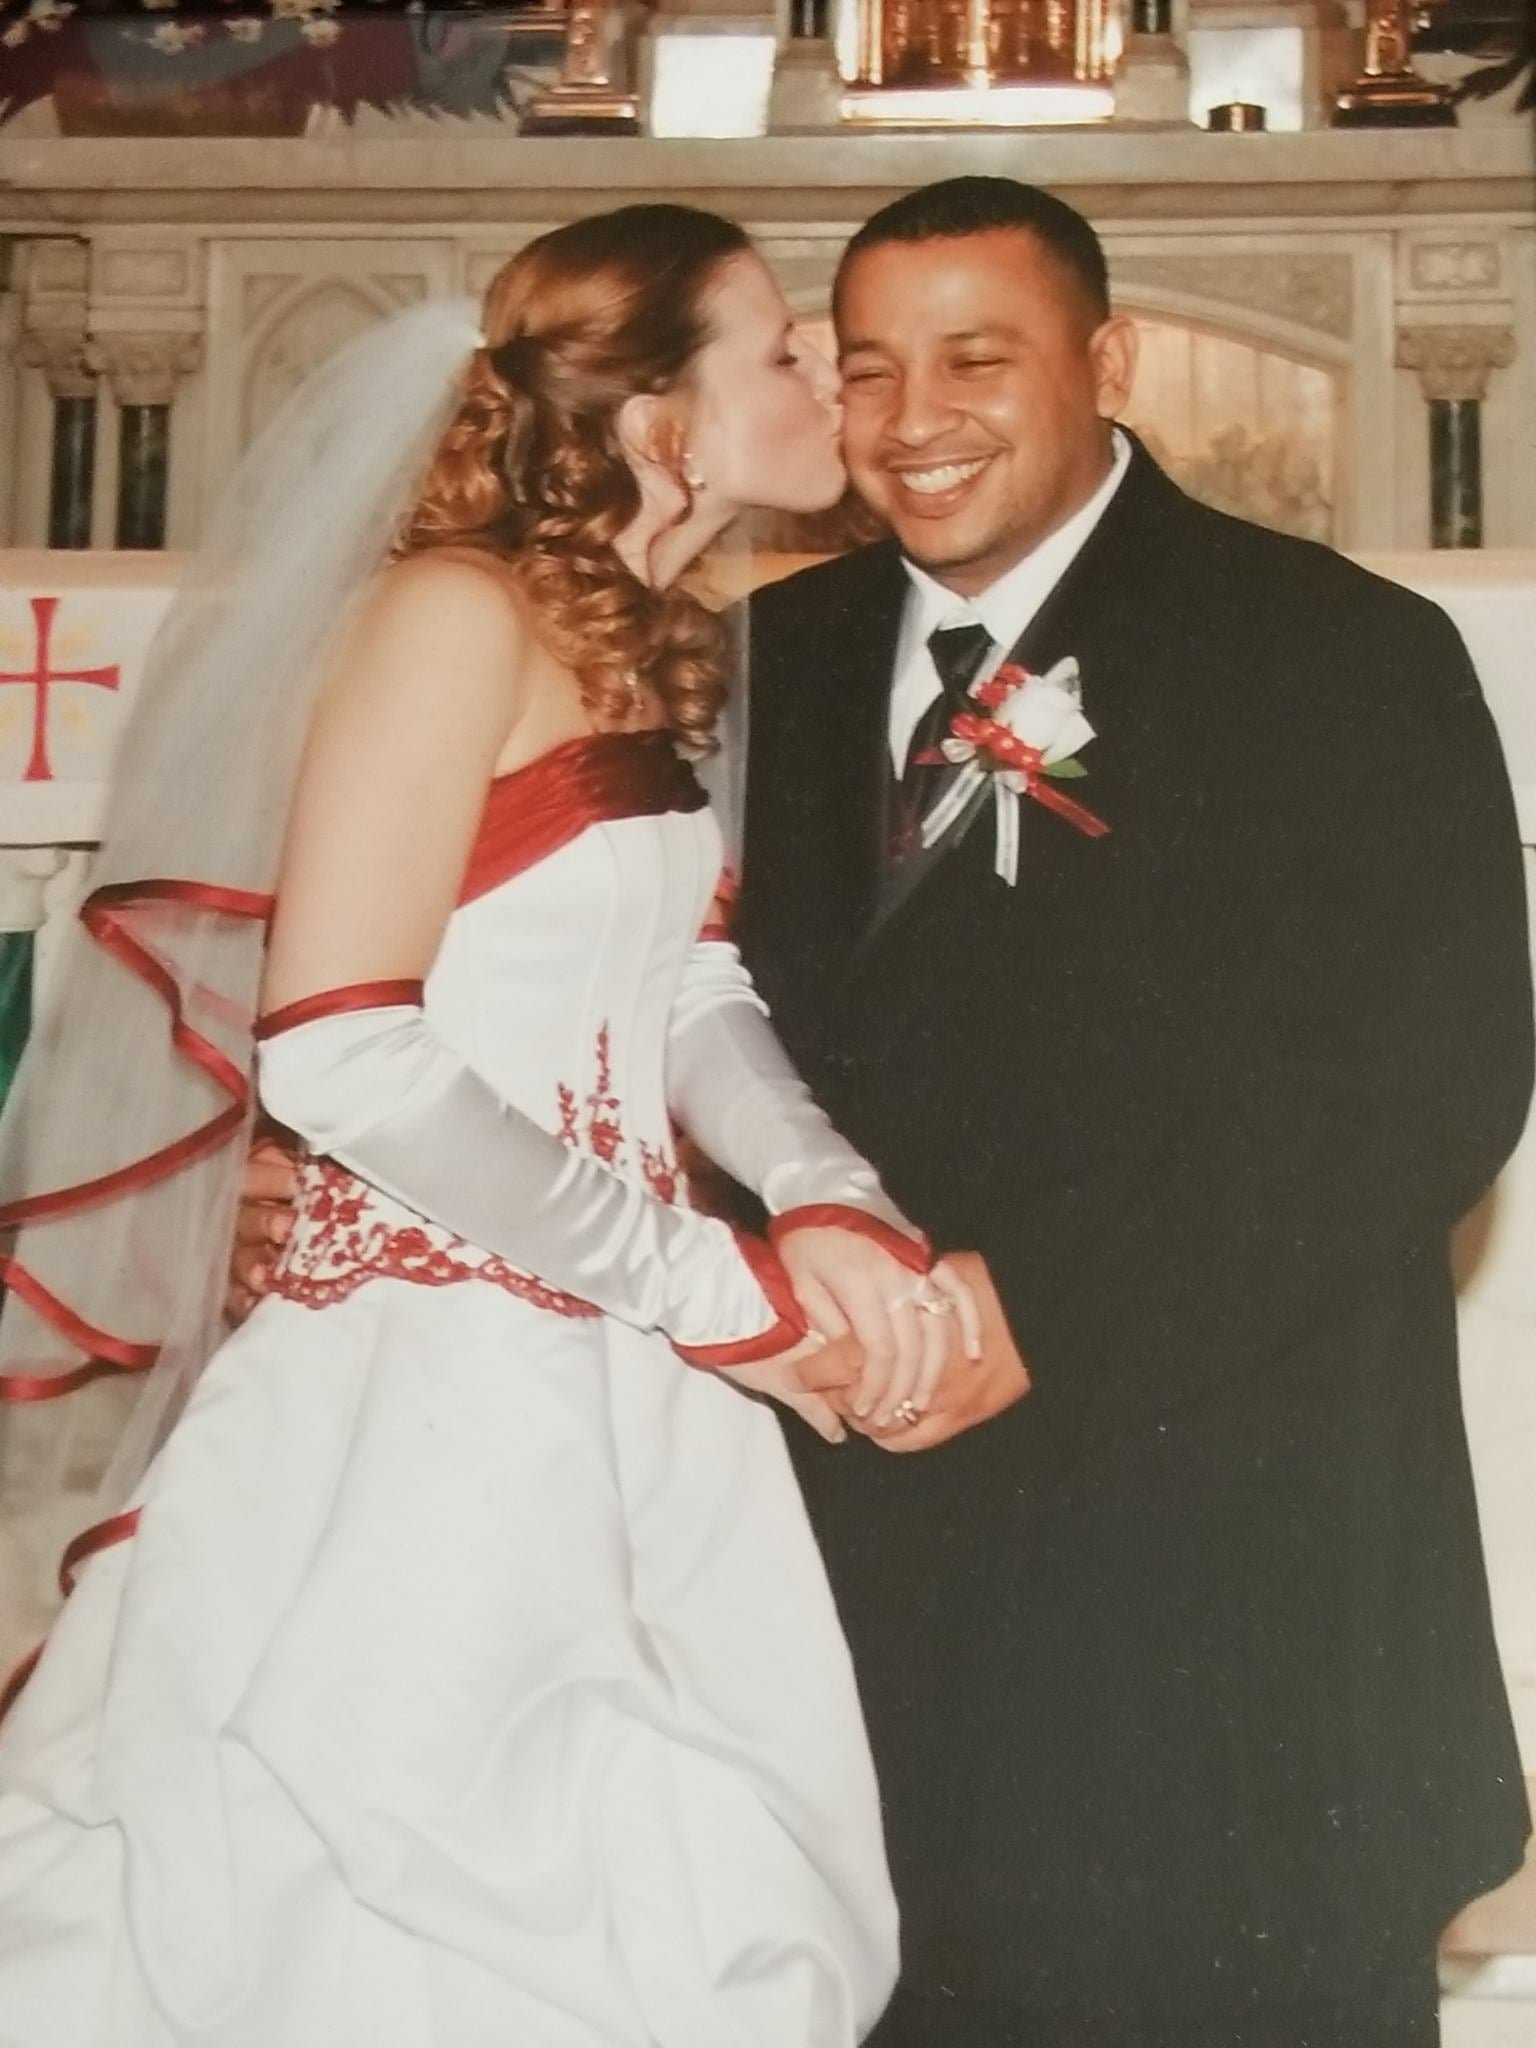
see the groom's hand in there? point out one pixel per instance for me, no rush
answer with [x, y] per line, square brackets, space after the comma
[971, 1391]
[262, 1225]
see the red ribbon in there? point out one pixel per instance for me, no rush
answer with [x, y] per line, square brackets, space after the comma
[787, 1329]
[988, 737]
[105, 915]
[340, 1002]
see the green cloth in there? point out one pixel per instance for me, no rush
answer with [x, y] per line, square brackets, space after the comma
[15, 1003]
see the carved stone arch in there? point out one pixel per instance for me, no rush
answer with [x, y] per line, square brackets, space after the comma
[1248, 411]
[1264, 328]
[297, 331]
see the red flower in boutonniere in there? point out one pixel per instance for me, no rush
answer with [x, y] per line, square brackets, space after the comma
[1024, 736]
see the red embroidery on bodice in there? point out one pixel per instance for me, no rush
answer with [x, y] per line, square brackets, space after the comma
[595, 1124]
[346, 1232]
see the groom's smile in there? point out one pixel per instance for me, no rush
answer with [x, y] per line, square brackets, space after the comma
[939, 486]
[979, 381]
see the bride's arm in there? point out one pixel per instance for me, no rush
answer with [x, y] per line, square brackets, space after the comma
[732, 1087]
[433, 684]
[857, 1262]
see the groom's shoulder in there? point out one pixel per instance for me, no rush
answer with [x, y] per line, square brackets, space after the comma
[1290, 587]
[819, 598]
[1283, 605]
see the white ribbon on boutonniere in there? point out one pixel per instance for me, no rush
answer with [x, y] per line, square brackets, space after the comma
[1023, 737]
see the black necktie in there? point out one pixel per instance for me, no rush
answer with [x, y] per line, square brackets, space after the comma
[958, 653]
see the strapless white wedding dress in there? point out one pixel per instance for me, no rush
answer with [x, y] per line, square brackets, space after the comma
[470, 1678]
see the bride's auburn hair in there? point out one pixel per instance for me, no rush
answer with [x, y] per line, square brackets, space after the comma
[531, 466]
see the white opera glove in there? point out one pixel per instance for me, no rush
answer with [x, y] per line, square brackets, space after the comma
[375, 1088]
[732, 1088]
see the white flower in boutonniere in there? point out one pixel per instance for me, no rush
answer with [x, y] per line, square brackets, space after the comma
[1024, 736]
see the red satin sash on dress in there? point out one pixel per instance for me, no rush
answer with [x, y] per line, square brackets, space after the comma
[593, 780]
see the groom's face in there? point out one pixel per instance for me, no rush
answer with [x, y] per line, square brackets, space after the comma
[979, 381]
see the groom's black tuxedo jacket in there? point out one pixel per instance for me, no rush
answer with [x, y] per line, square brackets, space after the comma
[1182, 1670]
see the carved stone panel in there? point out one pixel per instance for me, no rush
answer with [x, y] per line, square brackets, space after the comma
[278, 309]
[1441, 267]
[1315, 291]
[313, 323]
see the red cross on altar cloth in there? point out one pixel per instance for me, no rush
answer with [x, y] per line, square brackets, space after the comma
[74, 630]
[43, 676]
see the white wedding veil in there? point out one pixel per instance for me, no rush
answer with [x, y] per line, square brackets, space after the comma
[122, 1144]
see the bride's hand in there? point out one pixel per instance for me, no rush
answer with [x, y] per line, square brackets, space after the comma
[848, 1284]
[802, 1379]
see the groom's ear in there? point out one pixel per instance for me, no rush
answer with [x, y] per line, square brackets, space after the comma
[1112, 349]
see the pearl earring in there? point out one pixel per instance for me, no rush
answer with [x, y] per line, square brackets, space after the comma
[691, 475]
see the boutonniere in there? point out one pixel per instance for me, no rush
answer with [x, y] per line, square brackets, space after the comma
[1024, 736]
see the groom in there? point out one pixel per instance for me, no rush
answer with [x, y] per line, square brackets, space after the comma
[1179, 1671]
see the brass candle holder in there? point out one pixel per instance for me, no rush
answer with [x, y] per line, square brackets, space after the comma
[1389, 93]
[595, 92]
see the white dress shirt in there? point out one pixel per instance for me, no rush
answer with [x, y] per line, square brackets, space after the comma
[1005, 608]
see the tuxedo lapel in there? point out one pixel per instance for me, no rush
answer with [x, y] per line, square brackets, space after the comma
[823, 649]
[857, 693]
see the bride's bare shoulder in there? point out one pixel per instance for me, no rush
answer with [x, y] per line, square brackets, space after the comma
[440, 637]
[459, 590]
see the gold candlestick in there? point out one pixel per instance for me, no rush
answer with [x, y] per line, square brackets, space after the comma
[594, 94]
[1389, 93]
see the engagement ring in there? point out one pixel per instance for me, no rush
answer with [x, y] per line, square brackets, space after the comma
[908, 1412]
[935, 1305]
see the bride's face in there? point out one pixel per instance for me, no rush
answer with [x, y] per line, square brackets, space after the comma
[764, 413]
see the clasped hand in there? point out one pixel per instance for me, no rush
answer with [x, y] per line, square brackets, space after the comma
[877, 1362]
[871, 1361]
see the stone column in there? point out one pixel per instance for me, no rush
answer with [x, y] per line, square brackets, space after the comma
[54, 279]
[1152, 84]
[1453, 366]
[807, 91]
[10, 394]
[143, 371]
[146, 323]
[72, 475]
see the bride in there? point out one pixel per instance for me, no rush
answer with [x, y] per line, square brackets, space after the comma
[450, 1663]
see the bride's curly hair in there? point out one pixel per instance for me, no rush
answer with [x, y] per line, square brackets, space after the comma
[532, 467]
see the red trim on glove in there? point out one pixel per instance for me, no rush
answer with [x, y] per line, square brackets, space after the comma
[912, 1251]
[340, 1002]
[783, 1334]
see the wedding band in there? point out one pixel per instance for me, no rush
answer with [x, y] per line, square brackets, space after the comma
[935, 1305]
[907, 1412]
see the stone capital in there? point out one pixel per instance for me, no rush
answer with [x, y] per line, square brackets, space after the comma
[144, 369]
[1455, 362]
[61, 357]
[25, 873]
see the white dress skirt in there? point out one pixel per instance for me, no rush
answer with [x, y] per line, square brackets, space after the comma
[470, 1679]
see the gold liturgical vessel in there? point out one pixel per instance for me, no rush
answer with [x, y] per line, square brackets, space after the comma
[977, 55]
[595, 92]
[1389, 93]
